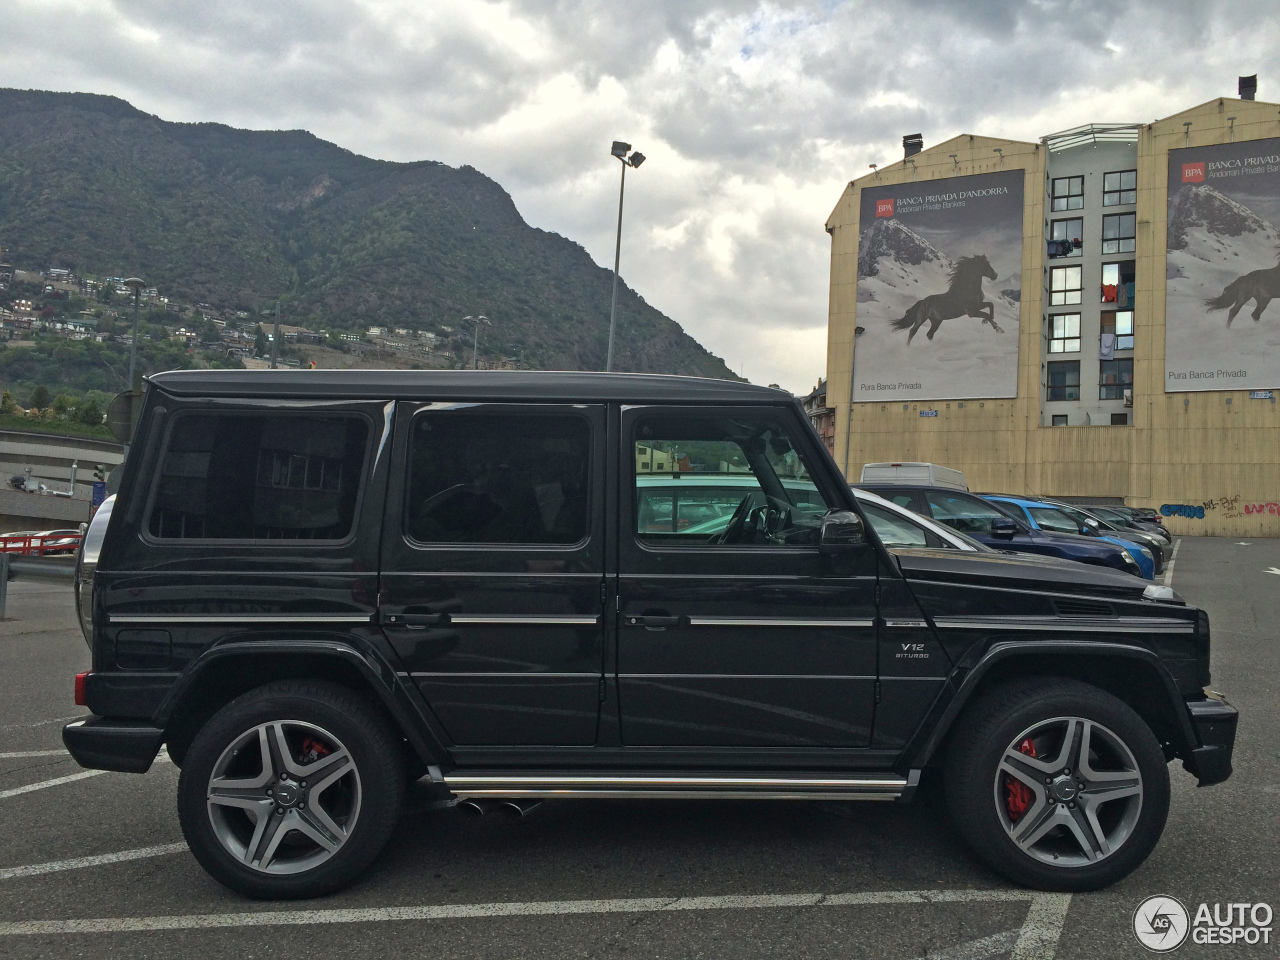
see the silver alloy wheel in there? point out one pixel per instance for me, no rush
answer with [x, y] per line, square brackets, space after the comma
[1085, 792]
[284, 797]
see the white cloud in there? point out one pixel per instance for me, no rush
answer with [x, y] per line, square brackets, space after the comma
[754, 115]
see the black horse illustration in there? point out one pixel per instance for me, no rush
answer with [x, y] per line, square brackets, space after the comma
[962, 299]
[1260, 286]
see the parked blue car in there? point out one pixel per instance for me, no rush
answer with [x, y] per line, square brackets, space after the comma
[1047, 516]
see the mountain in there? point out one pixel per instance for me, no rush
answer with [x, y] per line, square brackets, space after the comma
[1205, 208]
[890, 238]
[236, 218]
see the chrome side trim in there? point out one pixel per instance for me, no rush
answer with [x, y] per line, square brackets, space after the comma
[521, 619]
[1069, 624]
[744, 676]
[913, 624]
[591, 794]
[238, 618]
[774, 622]
[882, 787]
[508, 675]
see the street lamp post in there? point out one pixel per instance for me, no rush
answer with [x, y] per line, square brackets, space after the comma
[619, 150]
[475, 343]
[135, 284]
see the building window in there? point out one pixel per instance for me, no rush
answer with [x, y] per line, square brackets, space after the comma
[1067, 193]
[1120, 187]
[1064, 285]
[1059, 419]
[1118, 233]
[1117, 283]
[1119, 419]
[1064, 380]
[1064, 333]
[1066, 238]
[1120, 326]
[1114, 378]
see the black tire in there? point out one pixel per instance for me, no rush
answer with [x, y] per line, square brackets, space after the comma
[974, 789]
[378, 786]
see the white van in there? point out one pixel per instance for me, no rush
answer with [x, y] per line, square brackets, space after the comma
[917, 474]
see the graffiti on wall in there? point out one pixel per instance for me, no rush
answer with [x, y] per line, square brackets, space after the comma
[1231, 507]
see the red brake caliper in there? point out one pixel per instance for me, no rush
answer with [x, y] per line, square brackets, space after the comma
[313, 750]
[1018, 795]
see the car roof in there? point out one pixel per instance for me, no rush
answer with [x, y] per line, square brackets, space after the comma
[1020, 501]
[467, 385]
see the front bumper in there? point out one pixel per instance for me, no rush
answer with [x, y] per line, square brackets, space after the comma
[1214, 721]
[126, 746]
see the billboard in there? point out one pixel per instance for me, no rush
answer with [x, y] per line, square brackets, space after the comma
[1222, 270]
[939, 289]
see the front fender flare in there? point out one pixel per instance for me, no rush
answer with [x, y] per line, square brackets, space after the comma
[966, 679]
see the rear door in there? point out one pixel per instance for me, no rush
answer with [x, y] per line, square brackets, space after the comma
[733, 630]
[493, 568]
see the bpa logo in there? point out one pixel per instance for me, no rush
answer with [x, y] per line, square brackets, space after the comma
[884, 208]
[1193, 172]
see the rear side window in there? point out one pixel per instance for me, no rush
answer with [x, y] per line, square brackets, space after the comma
[499, 478]
[1053, 520]
[252, 477]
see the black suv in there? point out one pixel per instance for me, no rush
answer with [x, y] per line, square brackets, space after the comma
[315, 586]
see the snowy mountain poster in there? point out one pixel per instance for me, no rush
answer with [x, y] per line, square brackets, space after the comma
[939, 289]
[1223, 268]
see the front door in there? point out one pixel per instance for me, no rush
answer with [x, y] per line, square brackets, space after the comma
[493, 568]
[733, 630]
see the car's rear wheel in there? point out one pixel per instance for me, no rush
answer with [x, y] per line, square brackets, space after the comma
[291, 790]
[1057, 785]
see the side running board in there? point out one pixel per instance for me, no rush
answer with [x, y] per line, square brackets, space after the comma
[467, 785]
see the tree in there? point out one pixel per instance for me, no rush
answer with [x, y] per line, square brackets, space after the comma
[39, 397]
[6, 403]
[89, 413]
[259, 342]
[64, 404]
[107, 292]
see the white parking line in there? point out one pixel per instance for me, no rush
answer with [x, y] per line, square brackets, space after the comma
[45, 784]
[23, 754]
[42, 723]
[1036, 940]
[978, 949]
[56, 866]
[1168, 567]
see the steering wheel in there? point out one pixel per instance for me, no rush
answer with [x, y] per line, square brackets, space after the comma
[737, 521]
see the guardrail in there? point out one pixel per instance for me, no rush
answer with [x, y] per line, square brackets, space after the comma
[39, 568]
[40, 545]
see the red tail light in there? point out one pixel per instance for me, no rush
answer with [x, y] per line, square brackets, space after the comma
[80, 680]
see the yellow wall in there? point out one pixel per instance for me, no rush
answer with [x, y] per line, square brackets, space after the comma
[1182, 448]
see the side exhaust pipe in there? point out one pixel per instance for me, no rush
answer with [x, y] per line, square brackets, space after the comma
[518, 809]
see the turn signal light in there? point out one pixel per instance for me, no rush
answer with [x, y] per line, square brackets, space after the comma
[80, 681]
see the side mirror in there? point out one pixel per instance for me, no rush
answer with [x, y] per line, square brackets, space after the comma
[842, 531]
[1090, 528]
[1003, 528]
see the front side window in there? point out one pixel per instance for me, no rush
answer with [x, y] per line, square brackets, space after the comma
[966, 514]
[892, 529]
[495, 477]
[1066, 238]
[1118, 233]
[1048, 518]
[1114, 377]
[1064, 380]
[1064, 333]
[250, 477]
[1064, 285]
[732, 481]
[1067, 193]
[1119, 188]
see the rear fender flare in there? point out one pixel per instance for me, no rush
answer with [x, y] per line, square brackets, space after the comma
[400, 701]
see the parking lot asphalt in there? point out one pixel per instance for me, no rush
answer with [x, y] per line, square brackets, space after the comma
[92, 864]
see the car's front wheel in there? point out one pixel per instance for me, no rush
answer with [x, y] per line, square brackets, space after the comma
[291, 790]
[1058, 785]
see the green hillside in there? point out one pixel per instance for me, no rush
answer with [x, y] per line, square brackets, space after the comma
[235, 218]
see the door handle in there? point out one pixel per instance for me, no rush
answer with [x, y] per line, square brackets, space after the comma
[414, 621]
[653, 622]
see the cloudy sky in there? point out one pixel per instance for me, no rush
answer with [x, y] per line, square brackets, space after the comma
[753, 115]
